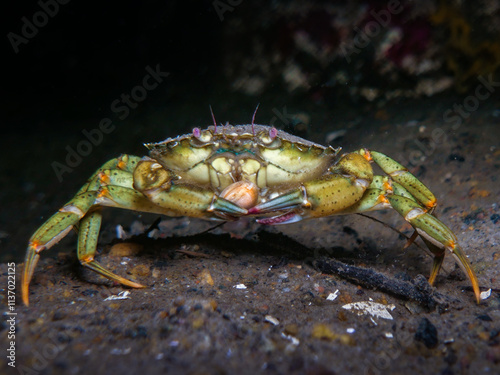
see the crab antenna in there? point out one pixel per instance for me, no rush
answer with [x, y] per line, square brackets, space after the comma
[213, 118]
[253, 118]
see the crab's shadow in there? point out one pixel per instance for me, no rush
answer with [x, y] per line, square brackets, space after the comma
[284, 249]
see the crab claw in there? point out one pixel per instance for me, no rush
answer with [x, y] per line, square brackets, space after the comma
[226, 209]
[293, 199]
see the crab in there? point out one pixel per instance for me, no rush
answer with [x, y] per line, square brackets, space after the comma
[229, 172]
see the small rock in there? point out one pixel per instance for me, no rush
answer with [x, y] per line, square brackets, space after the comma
[323, 332]
[206, 278]
[291, 329]
[495, 218]
[140, 270]
[179, 301]
[485, 317]
[125, 249]
[198, 323]
[427, 333]
[58, 315]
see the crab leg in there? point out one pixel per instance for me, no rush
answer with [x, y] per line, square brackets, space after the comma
[437, 235]
[400, 174]
[121, 183]
[88, 235]
[408, 191]
[52, 231]
[68, 217]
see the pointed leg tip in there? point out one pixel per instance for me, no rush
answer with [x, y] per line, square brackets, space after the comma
[129, 283]
[137, 285]
[25, 294]
[477, 292]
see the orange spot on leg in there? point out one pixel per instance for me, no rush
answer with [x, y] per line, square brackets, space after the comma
[103, 178]
[432, 203]
[383, 199]
[121, 164]
[104, 193]
[37, 246]
[387, 186]
[451, 244]
[86, 259]
[366, 154]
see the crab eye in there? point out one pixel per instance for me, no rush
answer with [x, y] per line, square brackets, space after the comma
[270, 137]
[273, 132]
[196, 132]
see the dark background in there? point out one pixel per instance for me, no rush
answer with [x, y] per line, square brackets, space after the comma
[89, 53]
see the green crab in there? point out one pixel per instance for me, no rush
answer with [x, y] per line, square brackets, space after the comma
[228, 172]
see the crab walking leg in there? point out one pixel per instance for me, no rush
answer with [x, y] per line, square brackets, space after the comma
[437, 234]
[126, 163]
[373, 199]
[111, 196]
[52, 231]
[87, 245]
[89, 223]
[400, 174]
[68, 217]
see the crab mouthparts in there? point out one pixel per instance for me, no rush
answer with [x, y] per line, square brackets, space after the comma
[242, 193]
[286, 218]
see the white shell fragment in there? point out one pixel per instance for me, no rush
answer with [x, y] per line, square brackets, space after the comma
[294, 341]
[333, 296]
[117, 351]
[271, 319]
[374, 309]
[120, 233]
[485, 294]
[121, 295]
[240, 286]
